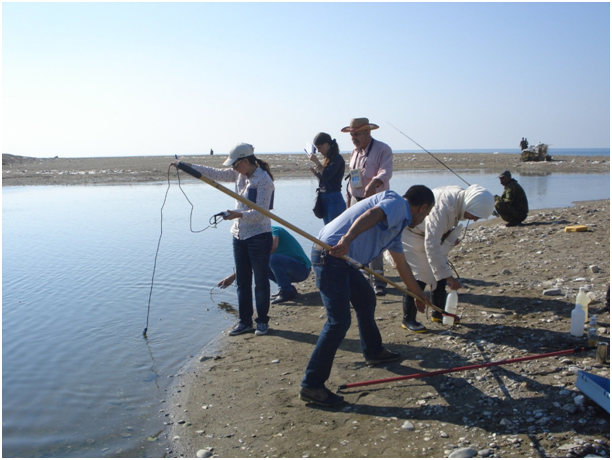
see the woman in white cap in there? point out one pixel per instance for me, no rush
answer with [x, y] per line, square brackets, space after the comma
[427, 245]
[252, 232]
[330, 174]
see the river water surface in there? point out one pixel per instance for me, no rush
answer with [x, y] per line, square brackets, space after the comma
[78, 378]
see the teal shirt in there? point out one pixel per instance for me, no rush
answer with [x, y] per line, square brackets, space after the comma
[289, 246]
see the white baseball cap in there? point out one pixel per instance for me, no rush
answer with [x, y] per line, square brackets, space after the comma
[241, 150]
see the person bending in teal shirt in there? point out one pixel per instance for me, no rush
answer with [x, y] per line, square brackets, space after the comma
[288, 264]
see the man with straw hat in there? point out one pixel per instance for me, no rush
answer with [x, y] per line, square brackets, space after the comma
[370, 169]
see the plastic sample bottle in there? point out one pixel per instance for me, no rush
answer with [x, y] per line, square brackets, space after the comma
[583, 300]
[592, 336]
[577, 324]
[452, 299]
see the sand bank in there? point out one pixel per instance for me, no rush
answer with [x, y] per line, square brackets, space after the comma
[18, 170]
[240, 397]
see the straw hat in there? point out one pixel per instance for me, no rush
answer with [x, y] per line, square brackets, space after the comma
[359, 124]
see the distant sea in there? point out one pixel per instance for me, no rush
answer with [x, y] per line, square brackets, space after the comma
[551, 151]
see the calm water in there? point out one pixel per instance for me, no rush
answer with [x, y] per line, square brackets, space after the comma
[79, 380]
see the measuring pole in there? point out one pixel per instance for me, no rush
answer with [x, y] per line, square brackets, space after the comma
[465, 368]
[198, 175]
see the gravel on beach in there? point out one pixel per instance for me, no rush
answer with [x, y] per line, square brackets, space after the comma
[239, 398]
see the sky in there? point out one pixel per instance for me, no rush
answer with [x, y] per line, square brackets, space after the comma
[123, 79]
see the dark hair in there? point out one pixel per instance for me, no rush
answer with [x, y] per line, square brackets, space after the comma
[418, 195]
[261, 163]
[324, 138]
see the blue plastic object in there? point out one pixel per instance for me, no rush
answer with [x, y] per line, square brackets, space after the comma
[595, 387]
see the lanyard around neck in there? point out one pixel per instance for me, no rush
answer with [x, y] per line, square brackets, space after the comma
[367, 153]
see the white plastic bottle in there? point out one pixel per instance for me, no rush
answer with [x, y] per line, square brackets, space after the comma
[583, 300]
[452, 299]
[577, 324]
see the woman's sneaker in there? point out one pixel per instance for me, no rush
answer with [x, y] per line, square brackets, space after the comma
[320, 396]
[241, 328]
[262, 329]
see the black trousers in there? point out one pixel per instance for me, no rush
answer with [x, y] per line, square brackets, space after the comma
[438, 298]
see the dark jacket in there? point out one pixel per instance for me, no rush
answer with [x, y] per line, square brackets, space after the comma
[331, 178]
[514, 195]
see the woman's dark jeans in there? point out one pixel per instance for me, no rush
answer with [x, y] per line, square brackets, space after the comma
[333, 206]
[252, 259]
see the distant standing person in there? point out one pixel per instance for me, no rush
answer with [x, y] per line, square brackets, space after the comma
[370, 169]
[330, 174]
[361, 232]
[251, 230]
[512, 206]
[211, 151]
[523, 144]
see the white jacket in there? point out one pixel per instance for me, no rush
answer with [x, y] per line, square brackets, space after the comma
[424, 249]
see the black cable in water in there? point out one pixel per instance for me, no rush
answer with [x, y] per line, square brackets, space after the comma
[161, 232]
[214, 220]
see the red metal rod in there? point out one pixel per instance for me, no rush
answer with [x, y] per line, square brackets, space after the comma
[466, 368]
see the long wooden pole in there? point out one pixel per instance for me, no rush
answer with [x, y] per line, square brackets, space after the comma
[198, 175]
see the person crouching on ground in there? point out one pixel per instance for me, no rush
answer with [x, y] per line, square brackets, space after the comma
[330, 174]
[288, 264]
[427, 245]
[362, 232]
[512, 206]
[251, 230]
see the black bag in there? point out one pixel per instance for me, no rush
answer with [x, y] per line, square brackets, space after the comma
[318, 206]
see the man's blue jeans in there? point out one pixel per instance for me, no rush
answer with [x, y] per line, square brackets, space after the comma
[341, 285]
[252, 259]
[333, 205]
[285, 270]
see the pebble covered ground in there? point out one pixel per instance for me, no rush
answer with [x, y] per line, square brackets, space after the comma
[20, 170]
[239, 399]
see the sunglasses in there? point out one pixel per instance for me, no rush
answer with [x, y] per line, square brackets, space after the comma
[236, 163]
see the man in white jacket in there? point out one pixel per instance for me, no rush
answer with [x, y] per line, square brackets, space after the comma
[427, 245]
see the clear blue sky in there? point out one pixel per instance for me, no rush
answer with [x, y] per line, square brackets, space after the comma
[119, 79]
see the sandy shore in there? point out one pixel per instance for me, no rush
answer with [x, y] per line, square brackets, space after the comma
[239, 398]
[17, 170]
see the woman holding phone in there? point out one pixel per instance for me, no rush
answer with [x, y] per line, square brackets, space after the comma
[330, 174]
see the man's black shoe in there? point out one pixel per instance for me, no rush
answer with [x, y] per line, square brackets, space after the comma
[321, 397]
[385, 356]
[285, 296]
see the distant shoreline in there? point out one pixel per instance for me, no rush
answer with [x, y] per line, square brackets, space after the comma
[21, 171]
